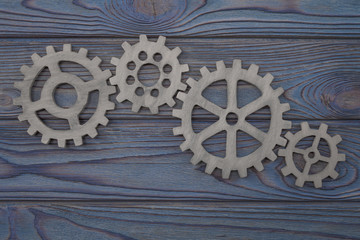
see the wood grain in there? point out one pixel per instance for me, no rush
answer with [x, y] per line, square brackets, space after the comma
[320, 77]
[139, 160]
[212, 18]
[163, 220]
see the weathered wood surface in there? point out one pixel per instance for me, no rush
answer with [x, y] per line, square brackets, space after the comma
[139, 160]
[285, 18]
[320, 77]
[136, 220]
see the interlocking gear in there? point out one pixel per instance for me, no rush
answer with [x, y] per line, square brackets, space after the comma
[30, 108]
[311, 155]
[270, 98]
[127, 79]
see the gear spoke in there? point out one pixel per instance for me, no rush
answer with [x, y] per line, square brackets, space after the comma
[209, 106]
[325, 159]
[231, 143]
[54, 69]
[306, 169]
[253, 106]
[74, 121]
[209, 131]
[232, 94]
[253, 131]
[316, 141]
[299, 151]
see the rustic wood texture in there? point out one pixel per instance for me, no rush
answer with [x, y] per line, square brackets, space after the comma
[229, 220]
[213, 18]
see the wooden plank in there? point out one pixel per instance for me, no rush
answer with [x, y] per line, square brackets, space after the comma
[212, 18]
[320, 77]
[162, 220]
[141, 160]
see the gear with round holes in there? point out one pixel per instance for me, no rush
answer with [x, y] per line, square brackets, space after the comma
[30, 108]
[231, 161]
[311, 155]
[129, 65]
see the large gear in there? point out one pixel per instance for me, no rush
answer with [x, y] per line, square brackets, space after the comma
[311, 155]
[76, 130]
[129, 89]
[270, 98]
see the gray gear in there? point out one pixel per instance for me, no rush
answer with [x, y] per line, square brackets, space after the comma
[128, 90]
[47, 102]
[311, 155]
[270, 97]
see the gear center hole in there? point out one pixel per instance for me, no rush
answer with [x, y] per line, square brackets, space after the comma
[65, 95]
[149, 74]
[232, 118]
[311, 155]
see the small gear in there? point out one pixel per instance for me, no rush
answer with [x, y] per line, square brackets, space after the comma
[127, 78]
[270, 98]
[30, 108]
[311, 155]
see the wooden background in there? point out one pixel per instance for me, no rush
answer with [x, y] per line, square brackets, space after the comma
[132, 181]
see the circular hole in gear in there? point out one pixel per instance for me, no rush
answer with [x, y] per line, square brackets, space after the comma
[130, 80]
[149, 74]
[166, 83]
[139, 91]
[131, 65]
[154, 92]
[231, 118]
[142, 56]
[65, 95]
[157, 57]
[167, 69]
[311, 155]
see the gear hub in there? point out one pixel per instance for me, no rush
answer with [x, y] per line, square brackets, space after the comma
[269, 97]
[127, 74]
[311, 155]
[30, 108]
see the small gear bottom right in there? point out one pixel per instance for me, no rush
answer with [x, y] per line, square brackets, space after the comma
[311, 155]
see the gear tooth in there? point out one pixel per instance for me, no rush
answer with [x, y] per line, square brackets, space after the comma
[135, 107]
[154, 109]
[305, 126]
[120, 98]
[111, 90]
[317, 183]
[272, 156]
[176, 51]
[341, 157]
[285, 107]
[31, 130]
[182, 96]
[22, 117]
[61, 142]
[170, 102]
[78, 141]
[83, 52]
[253, 69]
[220, 65]
[93, 133]
[126, 46]
[337, 139]
[210, 167]
[268, 78]
[96, 60]
[286, 171]
[161, 40]
[177, 113]
[237, 64]
[259, 166]
[35, 57]
[278, 91]
[50, 50]
[282, 141]
[103, 121]
[287, 124]
[113, 80]
[191, 82]
[204, 71]
[24, 69]
[184, 68]
[45, 139]
[115, 61]
[282, 152]
[242, 172]
[67, 47]
[110, 106]
[323, 128]
[299, 182]
[184, 146]
[177, 131]
[106, 74]
[143, 38]
[18, 85]
[225, 173]
[182, 86]
[333, 174]
[195, 159]
[289, 135]
[17, 101]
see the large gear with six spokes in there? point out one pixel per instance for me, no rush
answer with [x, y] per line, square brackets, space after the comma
[311, 155]
[127, 78]
[30, 108]
[270, 98]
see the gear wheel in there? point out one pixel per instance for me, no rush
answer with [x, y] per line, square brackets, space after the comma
[311, 155]
[76, 130]
[127, 79]
[268, 140]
